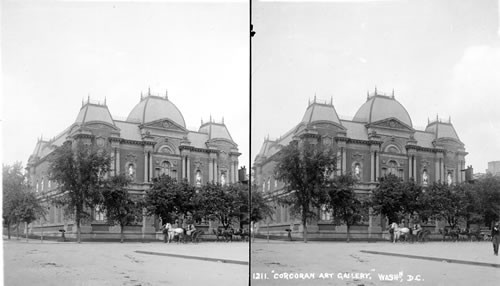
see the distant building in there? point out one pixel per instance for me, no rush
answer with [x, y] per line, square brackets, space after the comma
[152, 141]
[380, 140]
[494, 168]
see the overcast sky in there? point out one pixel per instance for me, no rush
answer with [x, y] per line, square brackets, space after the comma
[54, 54]
[441, 57]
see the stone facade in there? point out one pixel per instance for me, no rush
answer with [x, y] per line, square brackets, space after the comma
[153, 140]
[380, 140]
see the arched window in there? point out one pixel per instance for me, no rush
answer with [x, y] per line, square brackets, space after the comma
[449, 178]
[165, 168]
[393, 168]
[268, 184]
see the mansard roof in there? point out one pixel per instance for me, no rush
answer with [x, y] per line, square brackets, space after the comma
[378, 107]
[152, 108]
[317, 112]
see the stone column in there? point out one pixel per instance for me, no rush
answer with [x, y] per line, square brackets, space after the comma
[216, 172]
[410, 166]
[344, 160]
[339, 162]
[188, 169]
[117, 161]
[113, 162]
[438, 168]
[372, 166]
[414, 168]
[183, 166]
[377, 165]
[146, 165]
[150, 167]
[210, 169]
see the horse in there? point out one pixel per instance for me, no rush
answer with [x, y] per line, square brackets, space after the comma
[174, 232]
[398, 232]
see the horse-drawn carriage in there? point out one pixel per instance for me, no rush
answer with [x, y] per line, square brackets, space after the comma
[230, 234]
[408, 234]
[181, 234]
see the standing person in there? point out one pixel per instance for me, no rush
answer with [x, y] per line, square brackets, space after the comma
[165, 233]
[495, 238]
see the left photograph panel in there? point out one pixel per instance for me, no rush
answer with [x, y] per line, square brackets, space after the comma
[125, 141]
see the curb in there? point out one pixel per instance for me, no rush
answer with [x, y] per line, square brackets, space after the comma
[448, 260]
[194, 257]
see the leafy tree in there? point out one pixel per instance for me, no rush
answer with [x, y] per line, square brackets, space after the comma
[342, 200]
[443, 202]
[387, 197]
[13, 185]
[119, 206]
[160, 198]
[29, 208]
[488, 191]
[302, 167]
[79, 170]
[260, 207]
[469, 202]
[220, 203]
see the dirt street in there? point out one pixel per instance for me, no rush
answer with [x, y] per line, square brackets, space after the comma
[340, 263]
[93, 263]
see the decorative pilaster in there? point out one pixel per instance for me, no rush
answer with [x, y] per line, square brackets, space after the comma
[188, 169]
[216, 172]
[183, 166]
[414, 168]
[146, 166]
[210, 169]
[151, 167]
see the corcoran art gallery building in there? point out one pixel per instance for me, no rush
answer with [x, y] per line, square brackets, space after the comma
[379, 140]
[153, 140]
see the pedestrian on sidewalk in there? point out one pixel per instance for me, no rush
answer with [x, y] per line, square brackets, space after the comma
[495, 238]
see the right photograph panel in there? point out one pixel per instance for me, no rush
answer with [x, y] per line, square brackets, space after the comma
[375, 137]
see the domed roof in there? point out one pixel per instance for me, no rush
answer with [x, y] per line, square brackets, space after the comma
[91, 112]
[215, 131]
[320, 112]
[442, 129]
[153, 108]
[379, 107]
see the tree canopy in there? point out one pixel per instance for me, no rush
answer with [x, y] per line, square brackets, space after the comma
[304, 168]
[118, 204]
[79, 170]
[345, 205]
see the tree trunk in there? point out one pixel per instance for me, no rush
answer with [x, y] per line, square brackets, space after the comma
[17, 230]
[304, 224]
[26, 227]
[78, 238]
[121, 233]
[8, 230]
[348, 232]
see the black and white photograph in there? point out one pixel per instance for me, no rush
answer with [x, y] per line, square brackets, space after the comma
[125, 142]
[375, 142]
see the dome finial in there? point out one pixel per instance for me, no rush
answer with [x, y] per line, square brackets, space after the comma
[331, 100]
[210, 118]
[393, 93]
[82, 101]
[375, 90]
[202, 121]
[142, 97]
[149, 91]
[314, 97]
[104, 100]
[367, 95]
[449, 119]
[222, 119]
[166, 94]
